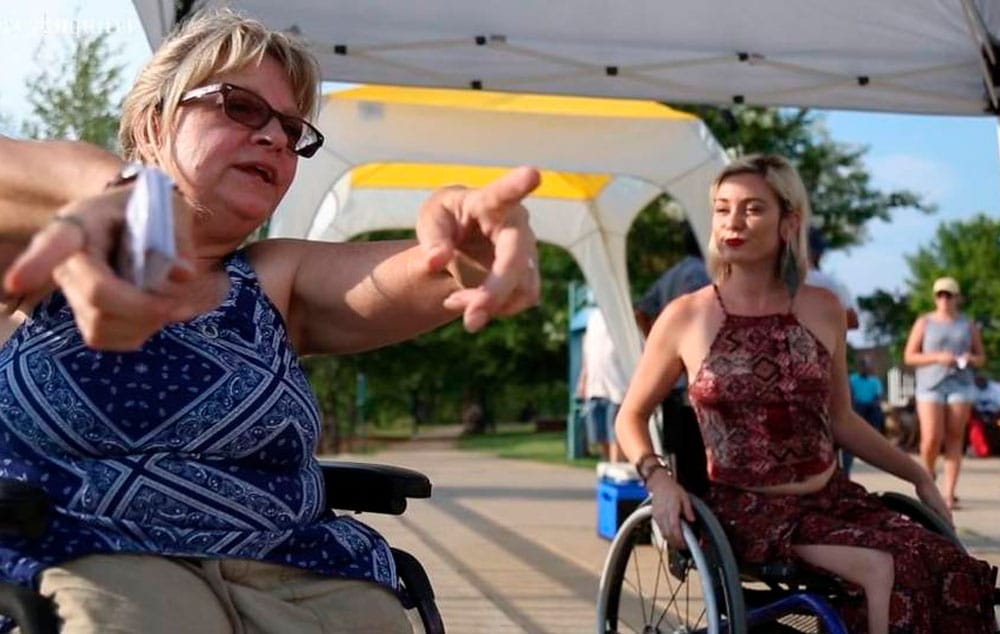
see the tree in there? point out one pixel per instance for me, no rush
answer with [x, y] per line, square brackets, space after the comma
[967, 250]
[842, 196]
[77, 100]
[840, 190]
[523, 359]
[887, 319]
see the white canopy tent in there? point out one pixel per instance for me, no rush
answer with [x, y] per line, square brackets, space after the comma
[931, 56]
[605, 160]
[926, 56]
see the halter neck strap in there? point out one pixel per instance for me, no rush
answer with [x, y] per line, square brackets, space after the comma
[722, 304]
[718, 296]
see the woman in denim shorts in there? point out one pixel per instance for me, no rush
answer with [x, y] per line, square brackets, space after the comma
[944, 346]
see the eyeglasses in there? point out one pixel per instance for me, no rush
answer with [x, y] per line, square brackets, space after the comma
[251, 110]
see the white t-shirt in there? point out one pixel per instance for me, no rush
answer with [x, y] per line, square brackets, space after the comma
[815, 277]
[606, 378]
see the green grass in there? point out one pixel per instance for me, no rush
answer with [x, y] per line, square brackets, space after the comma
[520, 441]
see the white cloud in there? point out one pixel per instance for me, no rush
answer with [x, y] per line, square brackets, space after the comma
[933, 179]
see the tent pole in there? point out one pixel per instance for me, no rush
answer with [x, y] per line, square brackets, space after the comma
[987, 58]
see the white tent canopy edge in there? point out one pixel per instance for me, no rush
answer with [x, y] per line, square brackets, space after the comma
[929, 56]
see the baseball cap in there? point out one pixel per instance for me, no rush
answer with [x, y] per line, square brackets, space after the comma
[947, 285]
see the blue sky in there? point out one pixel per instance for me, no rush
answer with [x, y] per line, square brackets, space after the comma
[951, 160]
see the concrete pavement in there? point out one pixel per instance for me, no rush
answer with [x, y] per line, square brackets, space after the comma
[511, 546]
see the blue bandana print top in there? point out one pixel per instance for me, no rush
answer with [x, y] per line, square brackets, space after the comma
[198, 445]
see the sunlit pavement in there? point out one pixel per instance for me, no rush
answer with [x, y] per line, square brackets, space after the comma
[511, 546]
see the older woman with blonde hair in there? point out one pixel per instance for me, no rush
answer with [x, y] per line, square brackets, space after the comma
[174, 429]
[766, 364]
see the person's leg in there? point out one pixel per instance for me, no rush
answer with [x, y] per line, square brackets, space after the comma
[614, 450]
[599, 412]
[877, 417]
[274, 599]
[930, 415]
[956, 418]
[595, 426]
[865, 567]
[939, 587]
[110, 594]
[872, 413]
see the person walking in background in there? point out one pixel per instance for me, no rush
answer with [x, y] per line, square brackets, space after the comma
[944, 346]
[686, 276]
[866, 400]
[601, 385]
[816, 277]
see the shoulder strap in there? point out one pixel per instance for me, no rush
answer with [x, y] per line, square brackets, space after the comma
[718, 296]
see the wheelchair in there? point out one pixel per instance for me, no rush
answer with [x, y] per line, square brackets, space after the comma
[649, 587]
[357, 487]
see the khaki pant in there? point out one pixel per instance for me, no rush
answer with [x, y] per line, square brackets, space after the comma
[112, 594]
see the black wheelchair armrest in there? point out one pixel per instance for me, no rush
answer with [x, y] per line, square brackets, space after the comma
[24, 509]
[374, 488]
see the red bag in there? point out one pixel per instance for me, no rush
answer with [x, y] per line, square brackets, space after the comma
[984, 440]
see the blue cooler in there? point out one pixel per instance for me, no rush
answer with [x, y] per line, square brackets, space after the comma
[615, 501]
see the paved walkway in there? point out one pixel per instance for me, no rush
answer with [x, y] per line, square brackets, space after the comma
[511, 545]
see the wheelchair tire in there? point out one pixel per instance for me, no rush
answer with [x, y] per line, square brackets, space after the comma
[647, 587]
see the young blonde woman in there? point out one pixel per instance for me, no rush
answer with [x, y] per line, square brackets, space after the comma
[765, 358]
[945, 347]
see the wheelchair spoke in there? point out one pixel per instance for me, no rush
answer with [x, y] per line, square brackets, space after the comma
[672, 604]
[654, 589]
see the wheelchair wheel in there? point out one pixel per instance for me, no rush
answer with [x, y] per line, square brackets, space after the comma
[920, 513]
[649, 588]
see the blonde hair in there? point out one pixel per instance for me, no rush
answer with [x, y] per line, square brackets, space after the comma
[786, 184]
[206, 45]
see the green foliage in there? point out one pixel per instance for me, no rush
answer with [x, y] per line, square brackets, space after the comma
[655, 243]
[512, 364]
[888, 321]
[842, 196]
[969, 251]
[840, 189]
[74, 98]
[521, 361]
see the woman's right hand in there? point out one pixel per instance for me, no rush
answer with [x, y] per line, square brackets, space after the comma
[670, 502]
[76, 255]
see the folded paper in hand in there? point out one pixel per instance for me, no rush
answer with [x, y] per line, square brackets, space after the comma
[148, 250]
